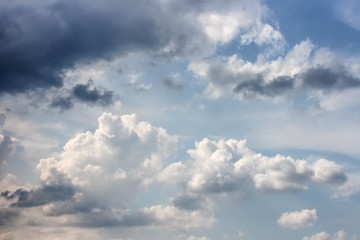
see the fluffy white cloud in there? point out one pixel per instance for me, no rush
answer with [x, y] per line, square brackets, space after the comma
[328, 172]
[122, 148]
[226, 166]
[298, 219]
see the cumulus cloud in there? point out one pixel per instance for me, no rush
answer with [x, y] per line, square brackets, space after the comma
[226, 166]
[298, 219]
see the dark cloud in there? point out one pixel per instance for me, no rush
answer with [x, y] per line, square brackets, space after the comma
[86, 93]
[89, 94]
[318, 78]
[327, 79]
[173, 83]
[258, 86]
[39, 196]
[187, 202]
[38, 41]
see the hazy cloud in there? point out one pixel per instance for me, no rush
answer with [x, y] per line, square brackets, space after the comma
[7, 215]
[2, 119]
[173, 82]
[7, 148]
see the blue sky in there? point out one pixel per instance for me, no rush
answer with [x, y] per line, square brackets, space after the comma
[184, 120]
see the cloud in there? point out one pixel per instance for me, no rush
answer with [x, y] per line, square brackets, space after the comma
[2, 119]
[77, 32]
[340, 235]
[258, 86]
[39, 196]
[346, 12]
[328, 172]
[187, 202]
[303, 70]
[298, 219]
[85, 93]
[170, 216]
[229, 166]
[173, 82]
[123, 153]
[7, 148]
[327, 79]
[8, 215]
[197, 238]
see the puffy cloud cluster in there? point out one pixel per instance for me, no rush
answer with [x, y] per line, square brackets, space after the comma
[225, 166]
[92, 182]
[121, 149]
[298, 219]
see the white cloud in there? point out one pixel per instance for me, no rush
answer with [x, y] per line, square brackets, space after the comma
[121, 147]
[340, 235]
[197, 238]
[245, 20]
[226, 166]
[328, 172]
[318, 236]
[173, 217]
[298, 219]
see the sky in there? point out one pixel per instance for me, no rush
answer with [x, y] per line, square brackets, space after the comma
[179, 119]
